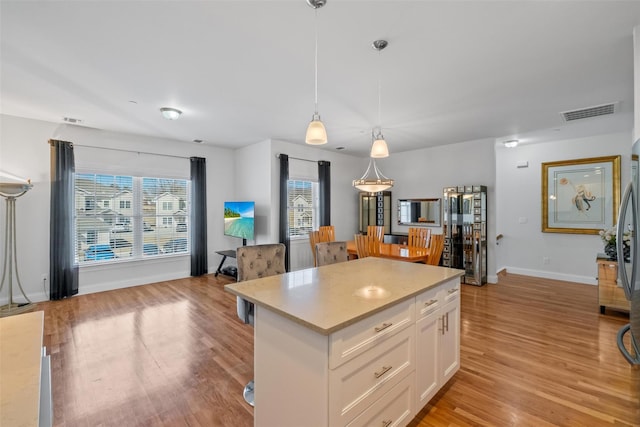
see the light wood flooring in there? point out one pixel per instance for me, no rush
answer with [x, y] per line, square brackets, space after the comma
[534, 352]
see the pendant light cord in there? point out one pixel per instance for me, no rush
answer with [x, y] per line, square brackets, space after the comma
[379, 94]
[316, 62]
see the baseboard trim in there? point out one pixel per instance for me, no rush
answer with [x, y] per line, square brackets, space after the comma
[589, 280]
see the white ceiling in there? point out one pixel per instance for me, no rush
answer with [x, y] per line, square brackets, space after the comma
[242, 71]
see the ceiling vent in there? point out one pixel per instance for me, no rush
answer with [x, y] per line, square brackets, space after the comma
[585, 113]
[72, 120]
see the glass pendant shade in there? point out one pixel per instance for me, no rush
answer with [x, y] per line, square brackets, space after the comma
[373, 180]
[316, 133]
[379, 148]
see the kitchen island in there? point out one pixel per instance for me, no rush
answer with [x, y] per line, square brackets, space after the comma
[364, 342]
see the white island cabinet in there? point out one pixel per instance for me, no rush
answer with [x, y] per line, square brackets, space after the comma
[365, 342]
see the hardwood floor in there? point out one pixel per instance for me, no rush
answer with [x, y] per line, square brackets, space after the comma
[534, 352]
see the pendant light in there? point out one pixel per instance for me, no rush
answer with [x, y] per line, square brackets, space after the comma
[316, 133]
[373, 180]
[379, 148]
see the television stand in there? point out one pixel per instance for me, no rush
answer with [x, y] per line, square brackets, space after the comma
[228, 253]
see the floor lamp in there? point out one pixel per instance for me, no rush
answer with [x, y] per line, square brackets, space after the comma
[11, 191]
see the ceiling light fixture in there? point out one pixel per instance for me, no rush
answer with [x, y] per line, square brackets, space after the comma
[373, 180]
[379, 149]
[316, 133]
[511, 143]
[170, 113]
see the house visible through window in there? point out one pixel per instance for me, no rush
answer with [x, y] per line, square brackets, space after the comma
[127, 217]
[302, 200]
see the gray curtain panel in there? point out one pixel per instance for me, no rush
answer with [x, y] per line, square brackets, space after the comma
[198, 216]
[324, 184]
[63, 269]
[284, 222]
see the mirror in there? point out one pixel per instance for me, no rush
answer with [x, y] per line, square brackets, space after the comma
[424, 212]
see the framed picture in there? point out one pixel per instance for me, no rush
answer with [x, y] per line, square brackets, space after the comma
[580, 196]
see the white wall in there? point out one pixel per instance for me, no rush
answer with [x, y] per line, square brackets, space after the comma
[24, 152]
[571, 256]
[636, 81]
[424, 173]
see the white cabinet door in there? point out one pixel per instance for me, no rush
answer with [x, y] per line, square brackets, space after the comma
[450, 341]
[429, 331]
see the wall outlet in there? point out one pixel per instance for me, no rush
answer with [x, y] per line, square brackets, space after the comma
[546, 260]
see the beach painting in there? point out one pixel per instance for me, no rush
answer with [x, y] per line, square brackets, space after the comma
[239, 219]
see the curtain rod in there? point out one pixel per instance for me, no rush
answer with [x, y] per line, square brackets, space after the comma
[132, 151]
[304, 160]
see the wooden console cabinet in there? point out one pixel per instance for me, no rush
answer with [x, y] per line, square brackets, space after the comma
[610, 295]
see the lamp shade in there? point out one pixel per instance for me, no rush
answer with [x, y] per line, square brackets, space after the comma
[316, 133]
[379, 148]
[373, 186]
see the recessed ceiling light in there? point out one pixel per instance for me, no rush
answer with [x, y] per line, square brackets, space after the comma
[72, 120]
[170, 113]
[511, 143]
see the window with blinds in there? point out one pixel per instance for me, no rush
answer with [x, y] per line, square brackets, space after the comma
[125, 217]
[302, 202]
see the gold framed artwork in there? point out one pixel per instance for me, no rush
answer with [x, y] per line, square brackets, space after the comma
[580, 196]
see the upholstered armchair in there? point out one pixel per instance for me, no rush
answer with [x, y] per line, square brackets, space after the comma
[255, 262]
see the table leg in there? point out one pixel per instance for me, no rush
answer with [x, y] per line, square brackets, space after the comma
[224, 257]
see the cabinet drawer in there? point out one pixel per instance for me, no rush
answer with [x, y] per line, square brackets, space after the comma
[355, 339]
[449, 291]
[393, 409]
[355, 385]
[428, 302]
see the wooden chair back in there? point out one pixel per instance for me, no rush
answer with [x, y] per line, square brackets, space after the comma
[314, 237]
[327, 233]
[436, 247]
[419, 237]
[331, 253]
[376, 232]
[366, 246]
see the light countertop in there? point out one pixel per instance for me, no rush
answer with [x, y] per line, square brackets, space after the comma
[328, 298]
[20, 364]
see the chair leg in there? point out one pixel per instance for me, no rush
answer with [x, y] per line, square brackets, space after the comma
[248, 393]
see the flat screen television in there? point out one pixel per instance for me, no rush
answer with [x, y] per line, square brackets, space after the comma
[239, 219]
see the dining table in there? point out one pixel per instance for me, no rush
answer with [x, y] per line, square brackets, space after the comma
[394, 251]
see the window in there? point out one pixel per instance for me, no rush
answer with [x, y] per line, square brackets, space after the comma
[167, 206]
[303, 207]
[134, 229]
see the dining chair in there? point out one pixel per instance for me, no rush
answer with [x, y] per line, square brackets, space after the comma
[314, 237]
[255, 262]
[327, 233]
[436, 246]
[419, 237]
[366, 246]
[375, 232]
[331, 253]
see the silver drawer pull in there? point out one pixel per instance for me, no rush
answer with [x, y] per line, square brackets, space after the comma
[383, 327]
[384, 370]
[430, 302]
[387, 423]
[453, 291]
